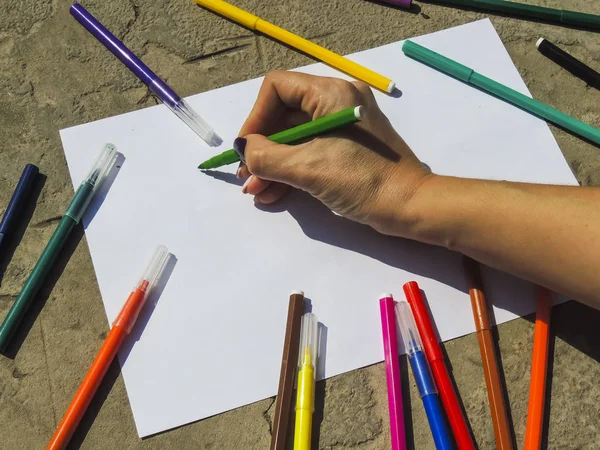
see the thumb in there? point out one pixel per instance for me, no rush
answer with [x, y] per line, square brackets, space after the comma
[269, 160]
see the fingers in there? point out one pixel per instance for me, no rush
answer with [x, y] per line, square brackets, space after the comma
[316, 96]
[285, 100]
[272, 193]
[280, 90]
[274, 162]
[264, 191]
[242, 171]
[255, 185]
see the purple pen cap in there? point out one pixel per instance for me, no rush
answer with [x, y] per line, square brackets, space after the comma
[401, 3]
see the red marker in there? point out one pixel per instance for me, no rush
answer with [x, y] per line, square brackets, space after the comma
[434, 354]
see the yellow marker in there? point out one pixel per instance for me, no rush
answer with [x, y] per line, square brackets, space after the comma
[305, 401]
[327, 56]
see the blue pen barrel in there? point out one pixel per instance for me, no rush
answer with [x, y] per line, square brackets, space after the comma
[437, 422]
[126, 56]
[423, 376]
[431, 401]
[18, 199]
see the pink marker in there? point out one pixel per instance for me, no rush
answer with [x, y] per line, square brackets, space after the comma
[392, 371]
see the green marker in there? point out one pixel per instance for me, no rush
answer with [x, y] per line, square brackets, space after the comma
[560, 16]
[307, 130]
[469, 76]
[75, 211]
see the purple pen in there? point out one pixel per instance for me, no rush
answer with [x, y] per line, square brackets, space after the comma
[175, 103]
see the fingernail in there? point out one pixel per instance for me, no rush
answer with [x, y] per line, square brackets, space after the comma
[239, 169]
[239, 145]
[245, 185]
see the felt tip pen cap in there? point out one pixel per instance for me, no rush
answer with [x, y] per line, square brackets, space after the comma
[309, 340]
[196, 123]
[408, 328]
[437, 61]
[154, 269]
[102, 166]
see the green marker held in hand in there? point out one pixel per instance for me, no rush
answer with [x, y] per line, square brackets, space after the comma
[310, 129]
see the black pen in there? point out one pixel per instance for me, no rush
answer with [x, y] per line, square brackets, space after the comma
[568, 62]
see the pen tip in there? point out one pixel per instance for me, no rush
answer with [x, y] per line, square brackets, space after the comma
[94, 176]
[413, 340]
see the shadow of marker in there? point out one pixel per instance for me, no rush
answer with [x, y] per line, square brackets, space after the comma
[12, 240]
[319, 387]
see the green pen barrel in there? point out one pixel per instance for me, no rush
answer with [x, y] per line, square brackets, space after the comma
[35, 281]
[489, 86]
[580, 19]
[310, 129]
[535, 107]
[42, 268]
[506, 7]
[319, 126]
[529, 11]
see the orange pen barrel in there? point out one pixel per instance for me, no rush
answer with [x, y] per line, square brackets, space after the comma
[539, 370]
[88, 388]
[122, 326]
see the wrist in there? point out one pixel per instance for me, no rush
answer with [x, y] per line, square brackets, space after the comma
[432, 213]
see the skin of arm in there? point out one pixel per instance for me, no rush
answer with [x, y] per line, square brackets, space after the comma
[545, 234]
[549, 235]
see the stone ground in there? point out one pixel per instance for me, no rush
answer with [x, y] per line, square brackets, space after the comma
[54, 75]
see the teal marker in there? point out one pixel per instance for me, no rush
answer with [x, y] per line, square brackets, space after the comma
[469, 76]
[75, 211]
[310, 129]
[560, 16]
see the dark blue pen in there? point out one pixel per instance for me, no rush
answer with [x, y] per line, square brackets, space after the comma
[424, 379]
[175, 103]
[17, 200]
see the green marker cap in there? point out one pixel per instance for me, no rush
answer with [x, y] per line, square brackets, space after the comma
[437, 61]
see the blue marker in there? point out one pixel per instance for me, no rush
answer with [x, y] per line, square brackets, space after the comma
[423, 377]
[18, 200]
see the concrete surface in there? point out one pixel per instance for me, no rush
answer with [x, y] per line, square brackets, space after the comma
[54, 75]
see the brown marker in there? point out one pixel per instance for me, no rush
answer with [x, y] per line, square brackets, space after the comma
[488, 356]
[289, 362]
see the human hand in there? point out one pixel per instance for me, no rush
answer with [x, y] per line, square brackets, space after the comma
[364, 172]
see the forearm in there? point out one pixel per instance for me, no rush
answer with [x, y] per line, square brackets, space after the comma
[549, 235]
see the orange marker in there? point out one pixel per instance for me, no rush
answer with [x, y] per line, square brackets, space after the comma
[539, 366]
[122, 326]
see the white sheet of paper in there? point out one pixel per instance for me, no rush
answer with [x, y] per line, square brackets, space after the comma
[213, 340]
